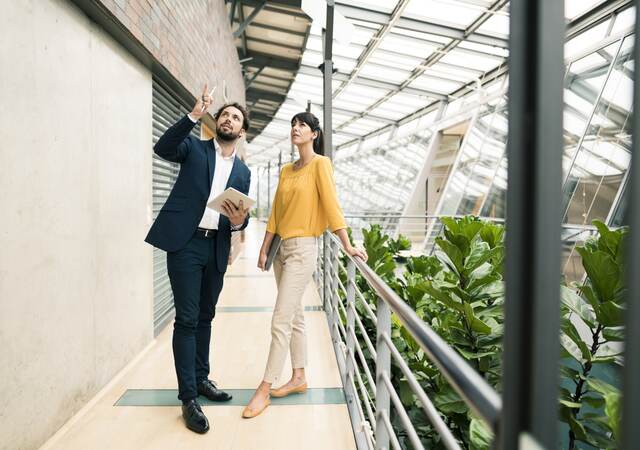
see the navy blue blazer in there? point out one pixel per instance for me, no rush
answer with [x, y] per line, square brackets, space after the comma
[182, 212]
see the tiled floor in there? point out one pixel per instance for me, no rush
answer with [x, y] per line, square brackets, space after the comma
[240, 341]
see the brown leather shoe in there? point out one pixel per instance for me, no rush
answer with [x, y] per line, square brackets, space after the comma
[250, 413]
[283, 391]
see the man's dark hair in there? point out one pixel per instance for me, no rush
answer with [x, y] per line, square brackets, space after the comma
[245, 114]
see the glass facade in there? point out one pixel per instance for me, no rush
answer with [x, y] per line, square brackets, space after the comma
[397, 87]
[597, 151]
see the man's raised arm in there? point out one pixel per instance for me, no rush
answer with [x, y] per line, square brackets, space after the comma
[173, 145]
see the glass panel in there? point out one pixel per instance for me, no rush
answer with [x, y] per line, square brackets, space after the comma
[575, 8]
[473, 60]
[624, 21]
[496, 204]
[352, 103]
[586, 39]
[490, 50]
[480, 168]
[605, 153]
[410, 47]
[447, 71]
[385, 6]
[477, 168]
[433, 38]
[363, 32]
[390, 74]
[385, 58]
[571, 261]
[583, 82]
[432, 84]
[618, 217]
[497, 25]
[442, 12]
[387, 113]
[364, 91]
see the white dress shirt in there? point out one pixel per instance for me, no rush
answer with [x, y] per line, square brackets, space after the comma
[211, 218]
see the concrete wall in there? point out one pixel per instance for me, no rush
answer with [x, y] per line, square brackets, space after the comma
[75, 192]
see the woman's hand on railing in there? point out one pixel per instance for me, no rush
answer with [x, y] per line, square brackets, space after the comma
[356, 253]
[348, 248]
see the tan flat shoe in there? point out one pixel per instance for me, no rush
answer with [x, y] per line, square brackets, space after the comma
[283, 392]
[250, 413]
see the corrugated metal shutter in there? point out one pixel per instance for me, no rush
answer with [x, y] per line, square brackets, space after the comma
[167, 109]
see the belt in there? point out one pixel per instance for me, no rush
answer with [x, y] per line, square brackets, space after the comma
[206, 233]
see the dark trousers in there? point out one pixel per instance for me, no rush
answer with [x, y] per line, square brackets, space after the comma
[196, 284]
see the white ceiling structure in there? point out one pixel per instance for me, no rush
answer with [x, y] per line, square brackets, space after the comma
[408, 62]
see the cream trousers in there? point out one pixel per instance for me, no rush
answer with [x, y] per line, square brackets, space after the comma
[293, 267]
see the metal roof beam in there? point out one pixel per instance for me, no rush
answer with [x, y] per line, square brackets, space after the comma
[248, 20]
[434, 58]
[262, 59]
[277, 44]
[369, 116]
[253, 77]
[259, 94]
[244, 34]
[373, 44]
[381, 18]
[232, 11]
[290, 3]
[595, 16]
[272, 28]
[370, 82]
[290, 8]
[261, 116]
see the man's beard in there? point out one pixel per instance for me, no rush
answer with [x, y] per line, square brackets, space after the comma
[225, 136]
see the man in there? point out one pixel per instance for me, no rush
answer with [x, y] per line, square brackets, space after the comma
[197, 241]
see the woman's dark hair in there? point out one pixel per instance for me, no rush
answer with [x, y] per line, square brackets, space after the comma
[313, 123]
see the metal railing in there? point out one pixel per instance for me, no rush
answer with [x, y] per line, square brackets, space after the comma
[368, 387]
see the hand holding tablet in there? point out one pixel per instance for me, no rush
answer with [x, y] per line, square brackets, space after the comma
[233, 198]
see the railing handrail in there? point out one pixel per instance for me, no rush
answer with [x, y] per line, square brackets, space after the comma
[474, 389]
[396, 215]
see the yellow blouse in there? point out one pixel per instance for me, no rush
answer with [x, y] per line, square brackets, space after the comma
[306, 202]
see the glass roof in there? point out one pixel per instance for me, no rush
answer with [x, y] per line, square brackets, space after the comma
[398, 72]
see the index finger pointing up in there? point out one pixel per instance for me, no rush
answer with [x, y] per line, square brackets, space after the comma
[205, 91]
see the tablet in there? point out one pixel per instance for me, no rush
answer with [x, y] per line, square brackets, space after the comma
[273, 249]
[234, 197]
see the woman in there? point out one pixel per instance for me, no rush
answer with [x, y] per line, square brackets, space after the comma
[304, 205]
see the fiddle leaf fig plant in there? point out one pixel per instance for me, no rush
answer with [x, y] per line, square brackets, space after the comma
[592, 325]
[459, 292]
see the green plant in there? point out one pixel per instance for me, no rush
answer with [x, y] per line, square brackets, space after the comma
[459, 292]
[592, 407]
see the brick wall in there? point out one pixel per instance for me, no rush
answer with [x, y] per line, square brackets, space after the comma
[190, 38]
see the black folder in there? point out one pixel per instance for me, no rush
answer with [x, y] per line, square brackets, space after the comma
[273, 250]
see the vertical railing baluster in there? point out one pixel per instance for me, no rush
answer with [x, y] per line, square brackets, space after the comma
[383, 365]
[319, 268]
[335, 291]
[351, 317]
[326, 274]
